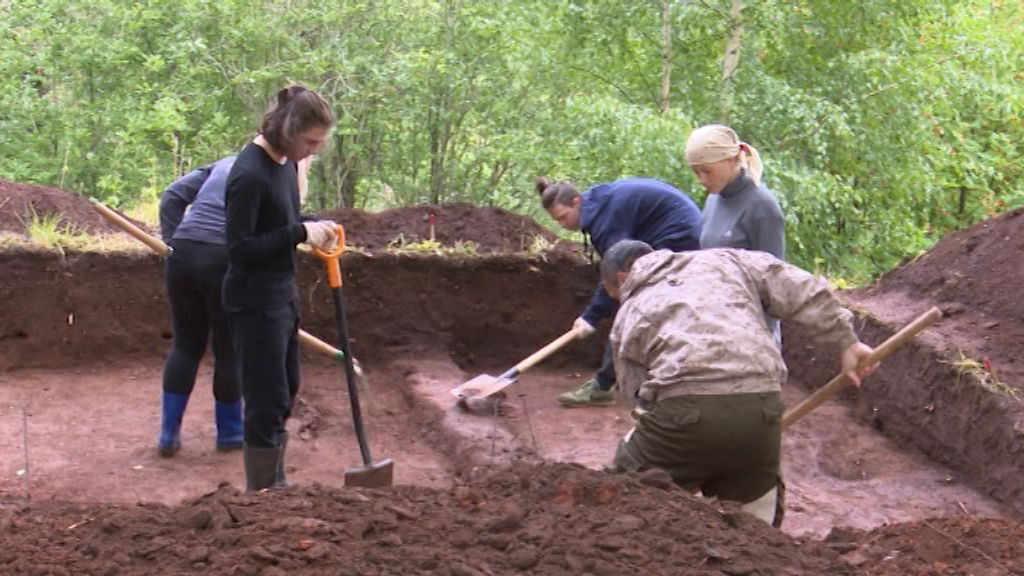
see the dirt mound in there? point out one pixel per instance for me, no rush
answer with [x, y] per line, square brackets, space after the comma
[491, 229]
[940, 546]
[954, 392]
[551, 519]
[975, 276]
[20, 204]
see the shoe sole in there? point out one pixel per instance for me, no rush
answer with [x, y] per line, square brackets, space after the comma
[168, 451]
[586, 404]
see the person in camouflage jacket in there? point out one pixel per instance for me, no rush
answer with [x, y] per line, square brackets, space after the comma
[692, 349]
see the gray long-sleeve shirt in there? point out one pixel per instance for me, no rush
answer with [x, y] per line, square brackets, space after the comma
[203, 190]
[744, 215]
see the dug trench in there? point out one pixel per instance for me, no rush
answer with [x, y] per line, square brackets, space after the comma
[81, 346]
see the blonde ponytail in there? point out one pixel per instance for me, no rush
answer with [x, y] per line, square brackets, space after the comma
[751, 161]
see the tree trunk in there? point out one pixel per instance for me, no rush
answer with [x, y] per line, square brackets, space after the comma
[732, 58]
[439, 120]
[348, 185]
[666, 52]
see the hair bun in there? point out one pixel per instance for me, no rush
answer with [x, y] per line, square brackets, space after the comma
[286, 95]
[283, 96]
[542, 184]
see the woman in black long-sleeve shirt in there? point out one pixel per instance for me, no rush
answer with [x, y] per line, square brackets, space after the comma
[263, 228]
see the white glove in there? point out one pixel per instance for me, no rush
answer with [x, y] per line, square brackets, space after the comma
[321, 234]
[583, 327]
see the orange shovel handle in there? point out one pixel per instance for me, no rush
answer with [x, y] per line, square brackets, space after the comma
[331, 258]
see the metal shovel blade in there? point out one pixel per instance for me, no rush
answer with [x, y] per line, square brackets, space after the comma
[471, 387]
[481, 387]
[377, 475]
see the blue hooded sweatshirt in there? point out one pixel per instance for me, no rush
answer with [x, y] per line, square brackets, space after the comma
[642, 209]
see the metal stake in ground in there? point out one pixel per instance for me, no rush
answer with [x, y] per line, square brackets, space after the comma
[371, 474]
[24, 444]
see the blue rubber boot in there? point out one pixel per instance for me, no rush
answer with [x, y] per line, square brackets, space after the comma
[230, 426]
[170, 425]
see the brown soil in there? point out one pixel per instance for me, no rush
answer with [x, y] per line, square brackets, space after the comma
[550, 519]
[21, 203]
[970, 419]
[965, 546]
[491, 229]
[80, 352]
[976, 276]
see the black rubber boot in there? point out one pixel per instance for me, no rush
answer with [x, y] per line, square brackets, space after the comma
[261, 466]
[280, 481]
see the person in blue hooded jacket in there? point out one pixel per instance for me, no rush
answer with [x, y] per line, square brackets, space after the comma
[642, 209]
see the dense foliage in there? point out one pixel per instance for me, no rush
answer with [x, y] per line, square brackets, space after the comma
[882, 123]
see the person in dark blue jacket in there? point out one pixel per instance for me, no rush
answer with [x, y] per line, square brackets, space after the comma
[631, 208]
[192, 223]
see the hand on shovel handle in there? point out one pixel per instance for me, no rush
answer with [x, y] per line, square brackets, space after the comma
[856, 362]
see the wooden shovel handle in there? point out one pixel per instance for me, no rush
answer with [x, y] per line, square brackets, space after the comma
[546, 351]
[123, 223]
[317, 345]
[883, 351]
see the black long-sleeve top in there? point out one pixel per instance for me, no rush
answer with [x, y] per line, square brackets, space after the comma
[263, 228]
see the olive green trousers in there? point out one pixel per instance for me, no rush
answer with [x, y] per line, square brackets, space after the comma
[724, 445]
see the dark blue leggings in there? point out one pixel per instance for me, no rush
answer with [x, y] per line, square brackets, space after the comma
[193, 276]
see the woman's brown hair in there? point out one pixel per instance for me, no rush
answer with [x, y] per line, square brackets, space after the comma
[294, 110]
[552, 193]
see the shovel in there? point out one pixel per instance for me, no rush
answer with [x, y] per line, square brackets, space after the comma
[485, 385]
[883, 351]
[371, 474]
[157, 245]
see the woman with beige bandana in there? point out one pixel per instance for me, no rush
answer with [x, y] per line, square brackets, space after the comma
[740, 212]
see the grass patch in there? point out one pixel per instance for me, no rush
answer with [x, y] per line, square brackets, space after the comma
[146, 211]
[53, 232]
[539, 246]
[982, 373]
[460, 248]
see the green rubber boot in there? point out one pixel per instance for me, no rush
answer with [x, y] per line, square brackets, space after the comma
[589, 394]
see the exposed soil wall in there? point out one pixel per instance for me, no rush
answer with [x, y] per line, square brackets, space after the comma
[917, 397]
[954, 391]
[63, 310]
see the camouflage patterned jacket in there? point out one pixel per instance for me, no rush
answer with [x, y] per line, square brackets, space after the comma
[693, 322]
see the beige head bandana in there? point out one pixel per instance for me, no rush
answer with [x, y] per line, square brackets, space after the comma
[714, 143]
